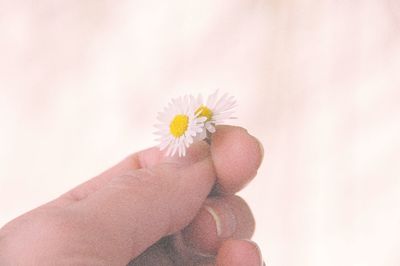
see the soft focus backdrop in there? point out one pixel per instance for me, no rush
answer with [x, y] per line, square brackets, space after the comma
[317, 82]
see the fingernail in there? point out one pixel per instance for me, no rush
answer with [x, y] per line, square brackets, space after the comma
[261, 262]
[261, 149]
[225, 220]
[215, 222]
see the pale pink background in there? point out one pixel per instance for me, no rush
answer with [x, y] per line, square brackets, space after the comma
[318, 82]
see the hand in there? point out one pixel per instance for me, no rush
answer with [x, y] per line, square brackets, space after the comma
[150, 210]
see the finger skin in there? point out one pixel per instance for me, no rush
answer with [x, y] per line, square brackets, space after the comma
[143, 159]
[219, 219]
[137, 209]
[119, 214]
[237, 156]
[118, 221]
[154, 255]
[239, 253]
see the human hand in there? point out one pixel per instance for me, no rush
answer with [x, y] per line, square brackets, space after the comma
[150, 210]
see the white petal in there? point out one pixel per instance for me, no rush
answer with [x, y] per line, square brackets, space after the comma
[199, 101]
[201, 136]
[221, 101]
[160, 126]
[199, 129]
[170, 147]
[163, 145]
[210, 128]
[200, 119]
[223, 107]
[212, 99]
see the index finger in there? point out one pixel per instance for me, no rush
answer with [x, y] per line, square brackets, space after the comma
[236, 155]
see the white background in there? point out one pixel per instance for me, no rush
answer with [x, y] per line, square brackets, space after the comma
[317, 82]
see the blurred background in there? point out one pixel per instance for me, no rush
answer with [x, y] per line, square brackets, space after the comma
[317, 81]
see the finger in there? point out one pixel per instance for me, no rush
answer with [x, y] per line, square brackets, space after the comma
[143, 159]
[237, 156]
[219, 219]
[134, 210]
[186, 256]
[239, 253]
[157, 254]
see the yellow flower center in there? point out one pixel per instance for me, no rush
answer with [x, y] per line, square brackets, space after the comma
[204, 111]
[179, 125]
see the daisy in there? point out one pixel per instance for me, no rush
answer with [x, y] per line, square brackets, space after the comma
[216, 110]
[179, 126]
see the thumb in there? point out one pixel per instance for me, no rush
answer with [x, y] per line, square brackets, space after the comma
[134, 210]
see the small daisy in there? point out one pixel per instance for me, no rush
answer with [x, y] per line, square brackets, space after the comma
[216, 110]
[179, 126]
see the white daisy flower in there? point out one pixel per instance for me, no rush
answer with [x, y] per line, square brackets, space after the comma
[179, 126]
[216, 111]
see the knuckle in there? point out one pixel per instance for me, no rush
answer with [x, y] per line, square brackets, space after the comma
[131, 180]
